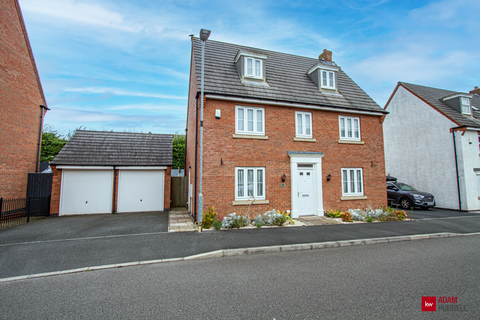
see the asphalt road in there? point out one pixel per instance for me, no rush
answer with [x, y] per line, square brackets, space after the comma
[24, 253]
[381, 281]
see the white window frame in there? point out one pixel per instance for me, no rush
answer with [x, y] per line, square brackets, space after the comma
[327, 79]
[465, 105]
[253, 74]
[349, 189]
[346, 122]
[244, 129]
[256, 195]
[303, 125]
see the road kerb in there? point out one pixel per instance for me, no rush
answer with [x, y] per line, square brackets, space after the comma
[245, 251]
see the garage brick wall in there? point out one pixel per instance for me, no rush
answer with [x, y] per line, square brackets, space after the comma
[20, 98]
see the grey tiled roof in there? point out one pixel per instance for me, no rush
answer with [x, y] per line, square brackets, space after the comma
[286, 76]
[97, 148]
[434, 97]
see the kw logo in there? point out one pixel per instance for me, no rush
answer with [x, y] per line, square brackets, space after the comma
[429, 304]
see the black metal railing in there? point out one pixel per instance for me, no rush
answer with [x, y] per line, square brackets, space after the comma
[17, 211]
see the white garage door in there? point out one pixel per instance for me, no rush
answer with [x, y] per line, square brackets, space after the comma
[140, 190]
[86, 191]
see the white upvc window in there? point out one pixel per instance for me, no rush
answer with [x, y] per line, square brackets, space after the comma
[250, 120]
[465, 105]
[249, 183]
[352, 181]
[349, 128]
[253, 68]
[328, 79]
[303, 124]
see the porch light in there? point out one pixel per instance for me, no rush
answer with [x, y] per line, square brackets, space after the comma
[329, 177]
[284, 177]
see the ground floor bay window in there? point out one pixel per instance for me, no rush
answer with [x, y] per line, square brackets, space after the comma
[249, 183]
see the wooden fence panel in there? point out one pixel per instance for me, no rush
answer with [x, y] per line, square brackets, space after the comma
[179, 192]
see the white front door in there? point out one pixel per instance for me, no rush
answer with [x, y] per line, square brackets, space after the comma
[305, 191]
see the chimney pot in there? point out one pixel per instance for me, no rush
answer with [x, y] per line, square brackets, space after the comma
[326, 55]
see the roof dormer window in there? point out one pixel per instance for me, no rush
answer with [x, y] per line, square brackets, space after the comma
[466, 106]
[324, 73]
[253, 68]
[328, 79]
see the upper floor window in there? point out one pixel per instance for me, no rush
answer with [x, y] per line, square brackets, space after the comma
[303, 124]
[352, 182]
[466, 106]
[250, 120]
[249, 183]
[253, 68]
[349, 128]
[328, 79]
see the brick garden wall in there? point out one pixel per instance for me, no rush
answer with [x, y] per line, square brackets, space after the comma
[219, 180]
[20, 99]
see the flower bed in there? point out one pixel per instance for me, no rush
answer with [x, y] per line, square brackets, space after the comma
[369, 214]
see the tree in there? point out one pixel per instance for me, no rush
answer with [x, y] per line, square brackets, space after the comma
[179, 142]
[52, 143]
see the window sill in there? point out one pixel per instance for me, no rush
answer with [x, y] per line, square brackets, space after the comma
[305, 139]
[350, 142]
[353, 198]
[247, 136]
[247, 202]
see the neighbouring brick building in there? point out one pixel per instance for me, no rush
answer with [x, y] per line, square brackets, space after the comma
[21, 103]
[281, 132]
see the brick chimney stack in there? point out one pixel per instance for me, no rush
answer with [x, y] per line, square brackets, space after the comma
[475, 91]
[326, 55]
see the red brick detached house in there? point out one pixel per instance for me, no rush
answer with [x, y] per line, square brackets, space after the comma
[281, 132]
[21, 101]
[106, 172]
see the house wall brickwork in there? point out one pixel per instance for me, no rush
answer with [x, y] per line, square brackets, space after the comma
[191, 134]
[20, 98]
[221, 147]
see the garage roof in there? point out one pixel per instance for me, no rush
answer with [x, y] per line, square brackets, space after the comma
[98, 148]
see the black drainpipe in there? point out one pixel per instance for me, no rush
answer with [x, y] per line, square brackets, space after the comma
[114, 189]
[39, 147]
[196, 152]
[456, 168]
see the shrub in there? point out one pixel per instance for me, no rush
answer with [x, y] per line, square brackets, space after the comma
[234, 221]
[208, 217]
[369, 219]
[217, 224]
[334, 214]
[346, 216]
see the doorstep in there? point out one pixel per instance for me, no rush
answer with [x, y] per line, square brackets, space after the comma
[179, 220]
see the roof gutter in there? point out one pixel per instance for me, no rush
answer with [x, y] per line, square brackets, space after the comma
[295, 105]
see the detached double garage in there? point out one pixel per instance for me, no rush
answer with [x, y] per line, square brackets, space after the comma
[90, 189]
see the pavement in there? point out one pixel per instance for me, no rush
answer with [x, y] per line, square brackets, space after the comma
[67, 243]
[180, 221]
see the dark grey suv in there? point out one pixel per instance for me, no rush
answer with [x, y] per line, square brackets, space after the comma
[406, 196]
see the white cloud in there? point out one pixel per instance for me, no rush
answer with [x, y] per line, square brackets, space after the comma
[121, 92]
[81, 12]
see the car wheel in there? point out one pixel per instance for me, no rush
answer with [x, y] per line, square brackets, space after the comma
[405, 203]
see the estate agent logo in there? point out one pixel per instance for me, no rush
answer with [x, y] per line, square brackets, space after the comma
[444, 304]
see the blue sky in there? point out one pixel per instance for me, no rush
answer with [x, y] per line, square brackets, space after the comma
[123, 65]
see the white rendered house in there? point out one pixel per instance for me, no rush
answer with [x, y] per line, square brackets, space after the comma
[431, 139]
